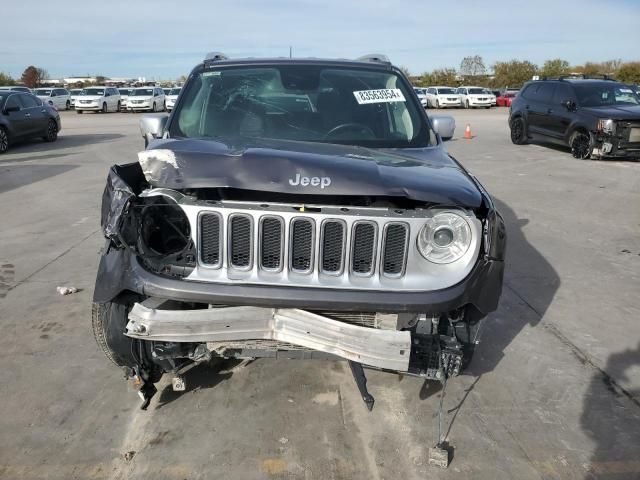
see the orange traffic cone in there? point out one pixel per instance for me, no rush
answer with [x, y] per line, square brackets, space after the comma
[467, 132]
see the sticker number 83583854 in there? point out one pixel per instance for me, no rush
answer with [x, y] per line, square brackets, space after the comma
[383, 95]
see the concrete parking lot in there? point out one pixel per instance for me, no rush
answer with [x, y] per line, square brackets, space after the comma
[553, 391]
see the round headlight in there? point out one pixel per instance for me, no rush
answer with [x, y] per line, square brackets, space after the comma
[445, 238]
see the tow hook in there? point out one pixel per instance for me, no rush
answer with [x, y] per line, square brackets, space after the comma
[361, 382]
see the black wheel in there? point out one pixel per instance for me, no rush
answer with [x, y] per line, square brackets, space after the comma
[52, 132]
[109, 321]
[104, 108]
[118, 109]
[518, 131]
[437, 103]
[154, 107]
[79, 112]
[68, 105]
[4, 140]
[581, 145]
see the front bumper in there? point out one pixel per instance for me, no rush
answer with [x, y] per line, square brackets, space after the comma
[121, 271]
[388, 349]
[139, 106]
[88, 106]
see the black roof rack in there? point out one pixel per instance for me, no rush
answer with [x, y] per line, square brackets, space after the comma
[215, 57]
[374, 57]
[581, 76]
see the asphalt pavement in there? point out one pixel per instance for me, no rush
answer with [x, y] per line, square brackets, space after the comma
[552, 393]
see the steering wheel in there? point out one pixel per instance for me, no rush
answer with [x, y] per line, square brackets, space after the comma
[357, 127]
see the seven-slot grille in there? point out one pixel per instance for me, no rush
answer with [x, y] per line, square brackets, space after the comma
[333, 254]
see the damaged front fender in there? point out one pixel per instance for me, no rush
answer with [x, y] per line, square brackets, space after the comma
[124, 182]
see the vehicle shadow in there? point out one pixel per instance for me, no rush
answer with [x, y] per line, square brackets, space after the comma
[204, 376]
[611, 419]
[16, 176]
[533, 281]
[64, 141]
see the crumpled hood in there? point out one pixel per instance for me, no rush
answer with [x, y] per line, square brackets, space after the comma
[425, 174]
[616, 112]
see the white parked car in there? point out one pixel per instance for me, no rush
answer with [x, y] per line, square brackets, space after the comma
[124, 97]
[150, 99]
[172, 97]
[422, 95]
[492, 97]
[56, 97]
[75, 93]
[15, 88]
[472, 97]
[442, 97]
[98, 99]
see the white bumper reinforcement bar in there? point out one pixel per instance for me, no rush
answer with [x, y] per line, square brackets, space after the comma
[388, 349]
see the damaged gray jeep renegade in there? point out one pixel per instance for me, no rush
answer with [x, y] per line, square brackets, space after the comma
[295, 208]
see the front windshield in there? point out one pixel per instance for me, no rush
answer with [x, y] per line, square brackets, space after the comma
[124, 92]
[476, 91]
[308, 103]
[175, 91]
[141, 92]
[446, 91]
[605, 94]
[43, 92]
[75, 92]
[93, 91]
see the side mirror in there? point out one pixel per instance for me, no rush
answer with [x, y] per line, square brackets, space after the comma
[570, 105]
[152, 125]
[444, 125]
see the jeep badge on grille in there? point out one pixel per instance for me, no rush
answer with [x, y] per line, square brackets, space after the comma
[321, 182]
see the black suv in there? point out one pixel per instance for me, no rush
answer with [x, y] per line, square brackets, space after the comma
[597, 118]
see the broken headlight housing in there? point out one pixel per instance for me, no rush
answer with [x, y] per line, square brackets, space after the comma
[445, 238]
[606, 125]
[164, 227]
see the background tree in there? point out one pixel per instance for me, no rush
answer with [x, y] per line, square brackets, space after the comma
[629, 73]
[100, 79]
[555, 68]
[6, 79]
[42, 75]
[513, 73]
[472, 66]
[406, 71]
[33, 77]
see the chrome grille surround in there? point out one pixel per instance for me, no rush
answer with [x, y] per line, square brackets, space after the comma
[417, 273]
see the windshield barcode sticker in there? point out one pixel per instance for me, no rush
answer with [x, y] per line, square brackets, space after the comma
[379, 96]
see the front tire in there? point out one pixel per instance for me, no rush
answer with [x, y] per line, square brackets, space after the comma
[153, 109]
[52, 132]
[4, 140]
[581, 145]
[518, 131]
[79, 112]
[105, 109]
[437, 103]
[68, 107]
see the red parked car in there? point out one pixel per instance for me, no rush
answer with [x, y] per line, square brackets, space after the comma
[506, 97]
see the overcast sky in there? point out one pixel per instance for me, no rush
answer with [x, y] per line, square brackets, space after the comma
[164, 40]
